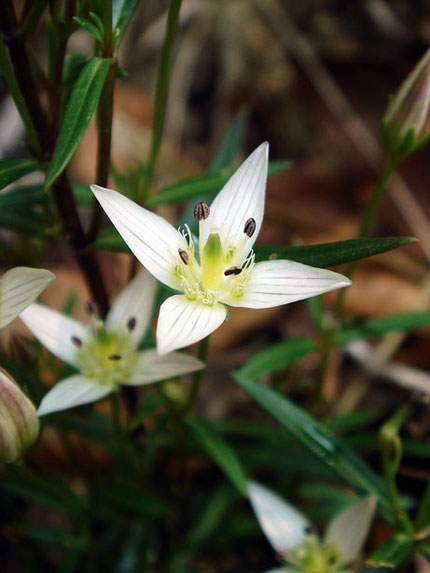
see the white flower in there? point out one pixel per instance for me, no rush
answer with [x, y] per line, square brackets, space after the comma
[291, 535]
[221, 268]
[19, 287]
[106, 354]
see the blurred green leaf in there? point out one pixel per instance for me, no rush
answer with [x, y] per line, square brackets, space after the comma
[13, 169]
[22, 197]
[283, 353]
[122, 11]
[381, 326]
[90, 28]
[77, 116]
[330, 254]
[220, 452]
[208, 185]
[50, 536]
[27, 222]
[313, 435]
[278, 355]
[131, 496]
[392, 553]
[150, 404]
[231, 143]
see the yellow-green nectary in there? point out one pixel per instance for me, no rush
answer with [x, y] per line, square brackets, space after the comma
[19, 424]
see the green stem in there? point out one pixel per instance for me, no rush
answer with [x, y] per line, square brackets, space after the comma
[161, 93]
[198, 376]
[366, 223]
[62, 191]
[104, 121]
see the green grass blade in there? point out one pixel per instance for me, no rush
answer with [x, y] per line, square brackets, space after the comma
[219, 451]
[314, 436]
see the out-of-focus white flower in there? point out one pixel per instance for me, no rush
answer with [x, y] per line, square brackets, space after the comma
[19, 424]
[19, 287]
[291, 534]
[406, 123]
[220, 270]
[107, 354]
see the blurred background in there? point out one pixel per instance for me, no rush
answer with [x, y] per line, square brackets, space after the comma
[313, 78]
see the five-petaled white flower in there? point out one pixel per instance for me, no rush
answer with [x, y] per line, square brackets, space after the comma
[221, 269]
[106, 354]
[291, 534]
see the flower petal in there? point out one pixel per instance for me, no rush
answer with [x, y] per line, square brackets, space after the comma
[152, 367]
[241, 197]
[348, 530]
[154, 241]
[273, 283]
[135, 301]
[19, 287]
[71, 392]
[284, 526]
[55, 331]
[182, 322]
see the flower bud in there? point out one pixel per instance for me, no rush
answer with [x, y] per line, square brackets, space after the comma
[406, 124]
[19, 424]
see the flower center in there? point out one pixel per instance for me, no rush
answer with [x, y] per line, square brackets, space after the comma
[314, 557]
[217, 273]
[106, 357]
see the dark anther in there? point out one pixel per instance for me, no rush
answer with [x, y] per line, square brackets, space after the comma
[131, 323]
[332, 560]
[91, 309]
[201, 211]
[76, 341]
[307, 530]
[184, 256]
[115, 357]
[250, 226]
[233, 271]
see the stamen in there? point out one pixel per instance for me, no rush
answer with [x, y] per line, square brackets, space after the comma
[131, 323]
[76, 341]
[201, 211]
[233, 271]
[250, 226]
[115, 357]
[184, 256]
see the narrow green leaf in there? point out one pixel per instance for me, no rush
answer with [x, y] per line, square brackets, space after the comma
[220, 452]
[22, 197]
[13, 169]
[231, 143]
[392, 553]
[206, 185]
[314, 436]
[77, 116]
[330, 254]
[381, 326]
[90, 28]
[278, 356]
[122, 11]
